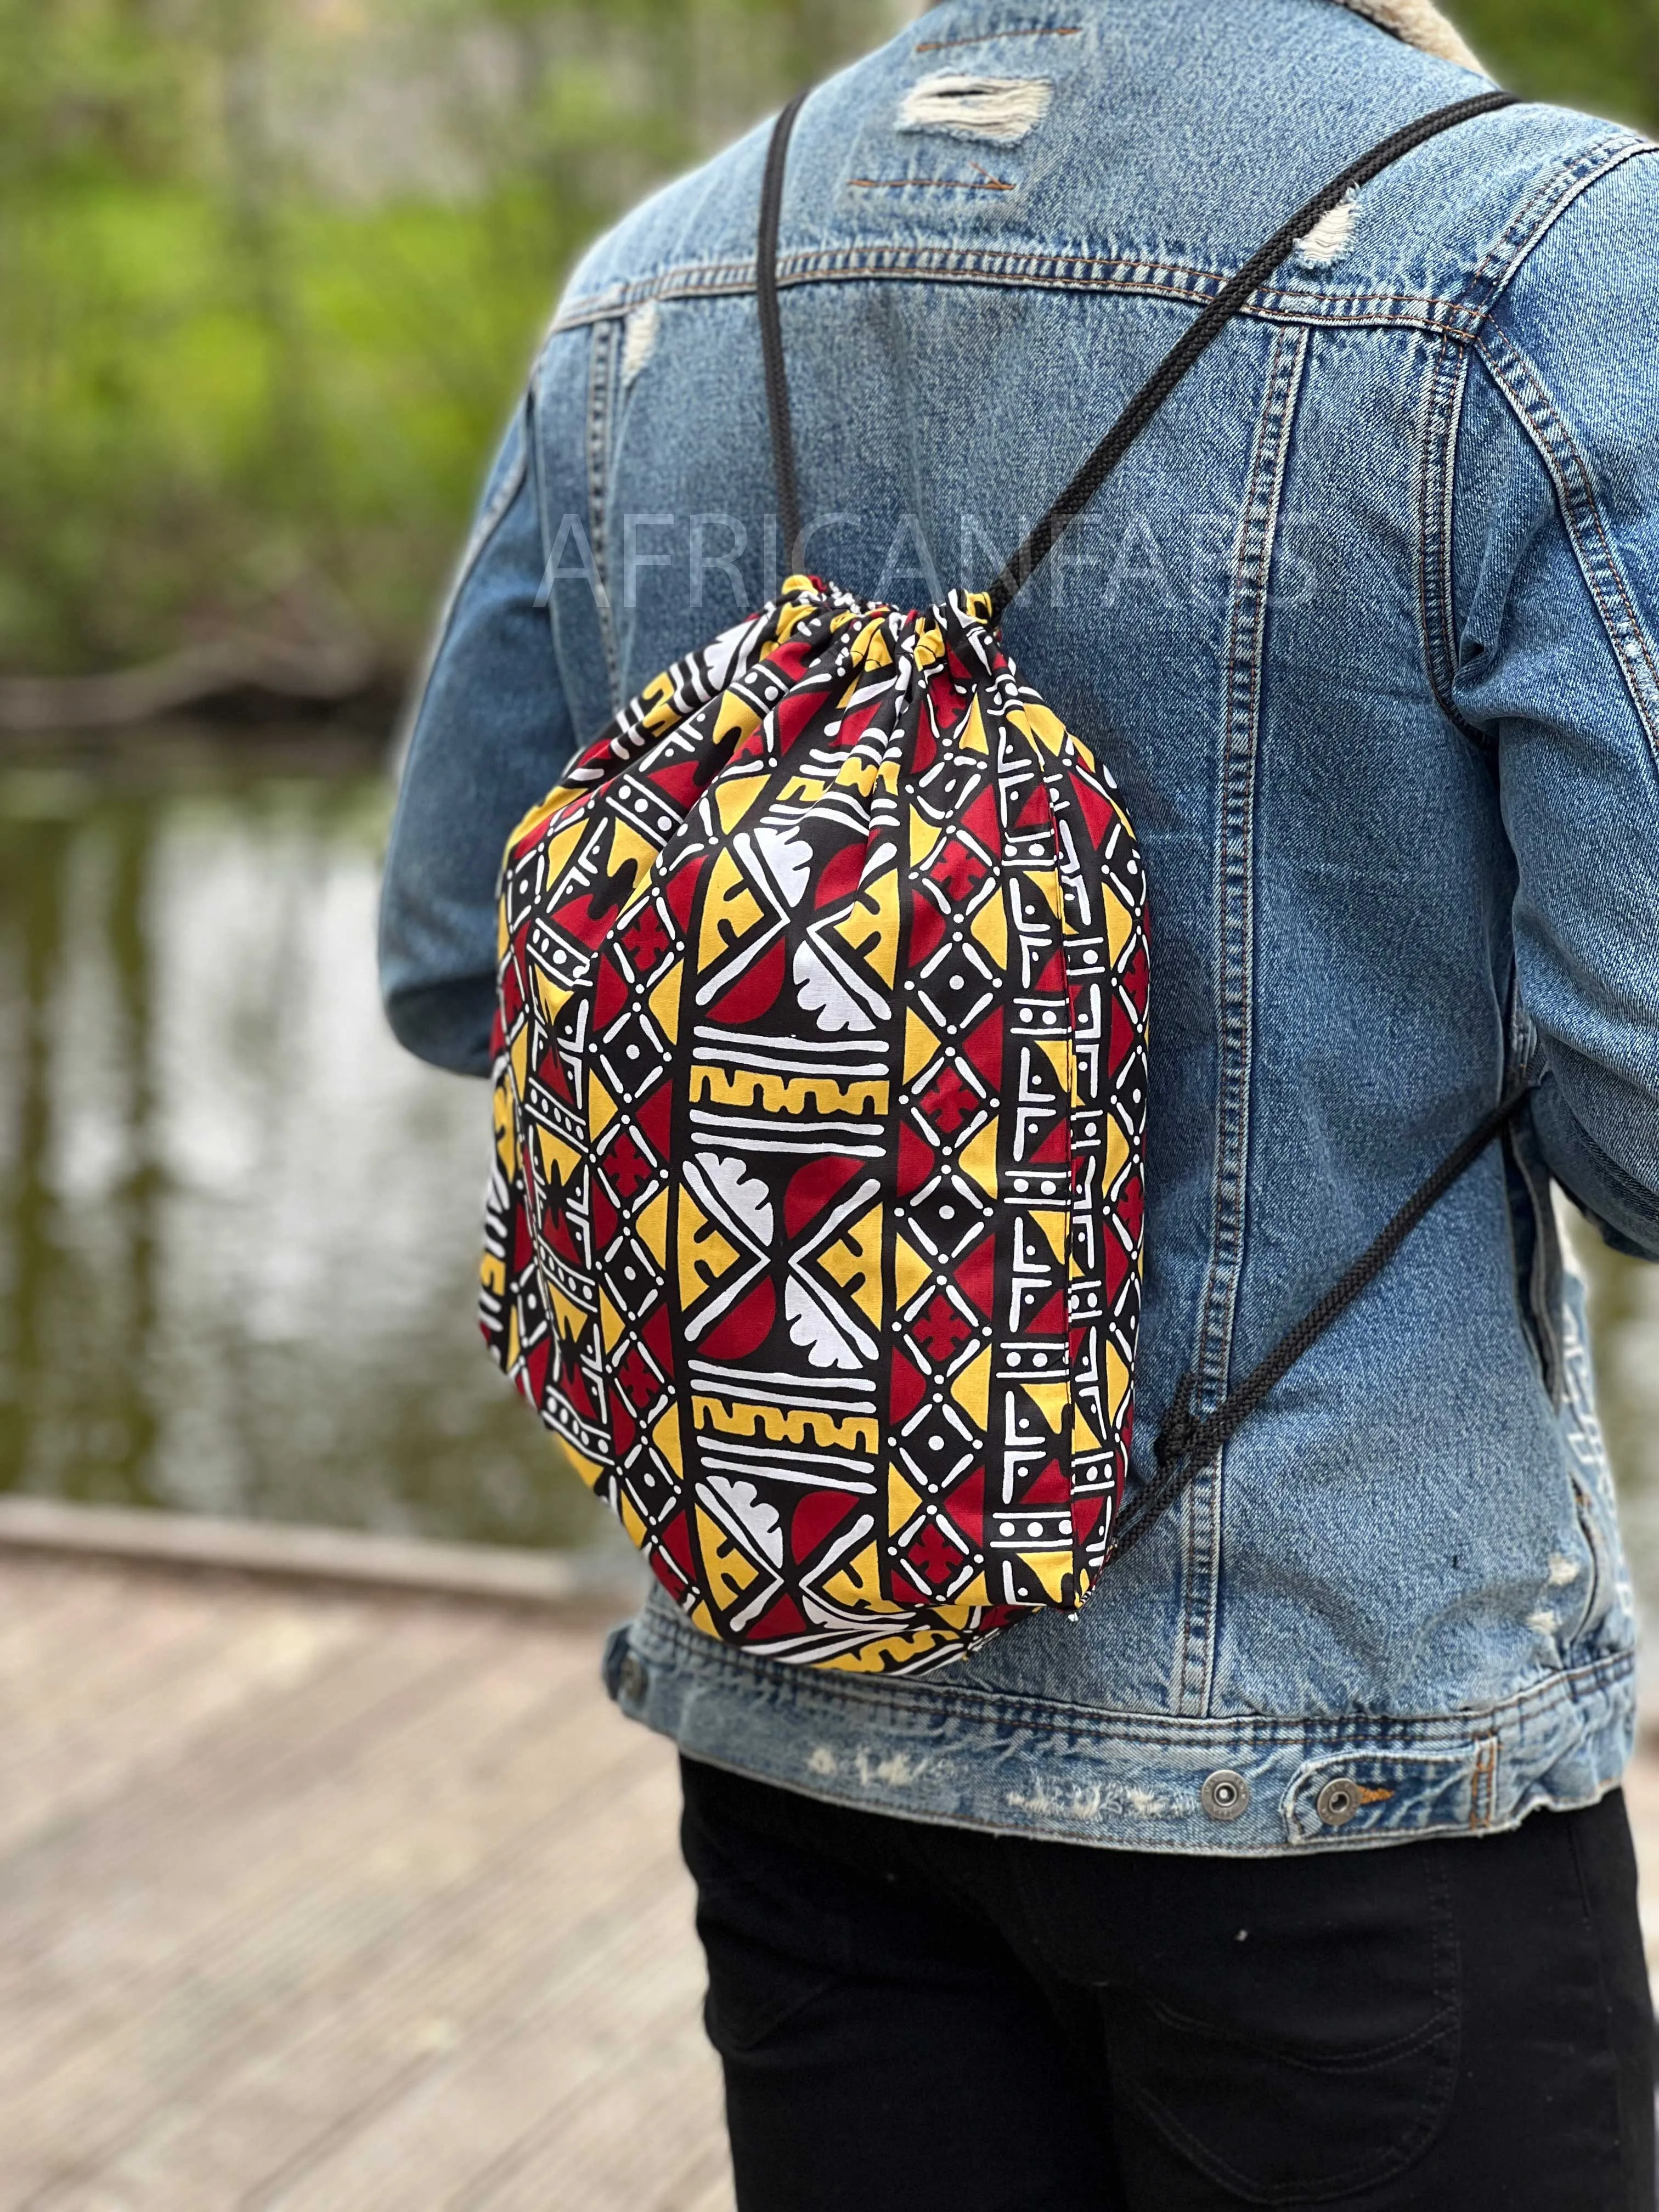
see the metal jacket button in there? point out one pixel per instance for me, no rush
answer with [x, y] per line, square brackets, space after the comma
[1337, 1803]
[1226, 1796]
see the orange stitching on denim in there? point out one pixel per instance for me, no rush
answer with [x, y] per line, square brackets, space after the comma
[989, 183]
[1483, 1789]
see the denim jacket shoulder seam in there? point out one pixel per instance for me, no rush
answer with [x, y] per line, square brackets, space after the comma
[604, 366]
[1525, 392]
[1437, 490]
[1542, 208]
[1533, 218]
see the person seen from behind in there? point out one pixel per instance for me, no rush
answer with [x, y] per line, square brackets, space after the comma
[1279, 1858]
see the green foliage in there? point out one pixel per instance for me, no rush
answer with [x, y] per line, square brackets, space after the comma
[272, 268]
[1602, 55]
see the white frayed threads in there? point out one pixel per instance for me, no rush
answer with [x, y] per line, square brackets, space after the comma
[640, 334]
[1331, 236]
[999, 110]
[1050, 1804]
[1563, 1570]
[898, 1772]
[1543, 1622]
[821, 1760]
[1146, 1804]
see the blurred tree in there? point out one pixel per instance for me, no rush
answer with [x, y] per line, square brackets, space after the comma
[271, 267]
[1602, 55]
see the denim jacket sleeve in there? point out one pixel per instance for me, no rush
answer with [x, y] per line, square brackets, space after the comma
[1556, 593]
[491, 733]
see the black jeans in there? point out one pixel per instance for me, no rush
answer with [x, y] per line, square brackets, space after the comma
[916, 2019]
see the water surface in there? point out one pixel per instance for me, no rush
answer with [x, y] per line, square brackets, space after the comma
[238, 1225]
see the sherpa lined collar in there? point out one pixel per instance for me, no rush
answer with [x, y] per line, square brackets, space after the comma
[1418, 23]
[1421, 24]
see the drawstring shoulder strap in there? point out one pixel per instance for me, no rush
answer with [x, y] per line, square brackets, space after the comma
[1177, 365]
[766, 297]
[1187, 1441]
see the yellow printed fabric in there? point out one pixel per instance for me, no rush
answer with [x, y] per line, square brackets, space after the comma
[815, 1230]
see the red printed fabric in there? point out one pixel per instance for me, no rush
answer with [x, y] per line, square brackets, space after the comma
[815, 1228]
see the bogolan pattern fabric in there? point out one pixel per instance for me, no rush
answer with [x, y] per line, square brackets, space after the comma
[815, 1226]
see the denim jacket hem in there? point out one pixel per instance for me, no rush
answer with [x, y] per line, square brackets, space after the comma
[1250, 1785]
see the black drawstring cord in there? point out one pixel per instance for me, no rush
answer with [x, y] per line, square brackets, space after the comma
[1208, 327]
[771, 330]
[1186, 1444]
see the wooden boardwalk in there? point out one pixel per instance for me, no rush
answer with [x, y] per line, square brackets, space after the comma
[314, 1902]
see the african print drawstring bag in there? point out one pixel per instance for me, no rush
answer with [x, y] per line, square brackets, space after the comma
[815, 1228]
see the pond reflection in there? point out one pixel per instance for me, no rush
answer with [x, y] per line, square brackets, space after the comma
[238, 1226]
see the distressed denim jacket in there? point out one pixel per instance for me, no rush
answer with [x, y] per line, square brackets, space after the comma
[1368, 627]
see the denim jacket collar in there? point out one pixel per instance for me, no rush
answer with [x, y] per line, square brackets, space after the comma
[1420, 23]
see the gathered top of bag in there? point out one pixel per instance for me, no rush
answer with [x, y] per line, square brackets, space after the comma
[817, 1226]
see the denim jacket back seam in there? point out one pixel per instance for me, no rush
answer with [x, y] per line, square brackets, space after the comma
[1135, 277]
[1257, 540]
[1447, 390]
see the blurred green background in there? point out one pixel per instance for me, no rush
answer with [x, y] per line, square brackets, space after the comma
[271, 272]
[272, 268]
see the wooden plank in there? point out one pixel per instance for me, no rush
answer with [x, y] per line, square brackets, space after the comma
[191, 1872]
[289, 1927]
[352, 1558]
[142, 1701]
[332, 1903]
[375, 2033]
[380, 1996]
[141, 1883]
[34, 1632]
[1642, 1796]
[549, 2039]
